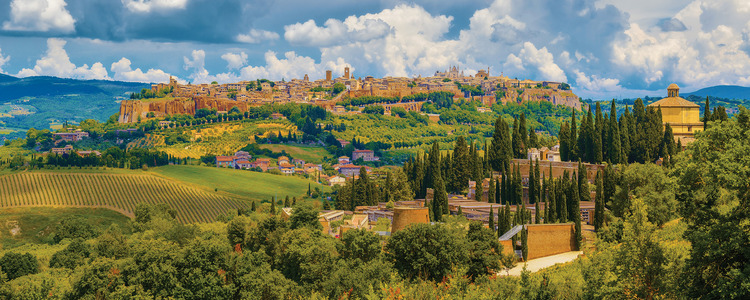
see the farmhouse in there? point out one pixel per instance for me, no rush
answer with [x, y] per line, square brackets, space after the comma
[61, 151]
[365, 155]
[225, 161]
[71, 136]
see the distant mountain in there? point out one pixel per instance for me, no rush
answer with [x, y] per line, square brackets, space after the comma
[42, 101]
[723, 91]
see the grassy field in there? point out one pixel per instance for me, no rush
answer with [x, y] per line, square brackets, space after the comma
[119, 190]
[37, 224]
[245, 184]
[308, 154]
[215, 139]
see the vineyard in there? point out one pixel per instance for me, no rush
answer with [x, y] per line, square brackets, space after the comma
[120, 192]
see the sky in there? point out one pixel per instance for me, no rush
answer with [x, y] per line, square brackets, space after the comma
[604, 48]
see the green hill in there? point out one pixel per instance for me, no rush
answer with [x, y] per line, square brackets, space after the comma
[41, 101]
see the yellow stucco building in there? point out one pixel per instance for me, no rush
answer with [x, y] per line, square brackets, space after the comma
[682, 115]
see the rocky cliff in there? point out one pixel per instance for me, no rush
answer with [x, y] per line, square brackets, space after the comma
[133, 110]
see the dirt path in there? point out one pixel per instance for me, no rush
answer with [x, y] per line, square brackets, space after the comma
[543, 262]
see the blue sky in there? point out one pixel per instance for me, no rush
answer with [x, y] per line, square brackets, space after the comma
[603, 48]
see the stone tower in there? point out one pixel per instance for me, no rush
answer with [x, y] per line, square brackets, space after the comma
[328, 75]
[346, 73]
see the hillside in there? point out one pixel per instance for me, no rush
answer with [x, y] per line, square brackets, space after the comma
[723, 91]
[118, 191]
[42, 102]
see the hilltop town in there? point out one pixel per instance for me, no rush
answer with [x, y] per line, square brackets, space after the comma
[331, 93]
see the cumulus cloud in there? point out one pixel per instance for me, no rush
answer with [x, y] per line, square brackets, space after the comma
[256, 36]
[290, 66]
[40, 15]
[149, 5]
[57, 63]
[235, 60]
[539, 59]
[671, 24]
[334, 31]
[3, 60]
[124, 72]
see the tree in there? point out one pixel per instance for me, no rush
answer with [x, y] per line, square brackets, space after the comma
[439, 203]
[461, 167]
[533, 140]
[491, 219]
[650, 183]
[640, 259]
[491, 192]
[305, 216]
[400, 189]
[712, 178]
[524, 244]
[573, 139]
[485, 251]
[599, 203]
[112, 243]
[237, 231]
[360, 244]
[73, 227]
[72, 256]
[338, 88]
[706, 114]
[15, 265]
[614, 150]
[500, 149]
[413, 253]
[564, 137]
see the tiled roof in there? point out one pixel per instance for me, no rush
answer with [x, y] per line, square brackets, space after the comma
[673, 102]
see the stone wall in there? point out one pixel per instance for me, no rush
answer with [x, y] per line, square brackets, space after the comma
[550, 239]
[405, 216]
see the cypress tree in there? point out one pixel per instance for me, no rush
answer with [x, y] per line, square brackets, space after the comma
[522, 132]
[599, 203]
[440, 200]
[613, 137]
[532, 187]
[294, 201]
[564, 137]
[706, 115]
[501, 148]
[253, 207]
[491, 191]
[507, 216]
[537, 213]
[273, 206]
[517, 186]
[533, 140]
[625, 137]
[433, 169]
[504, 189]
[573, 197]
[562, 203]
[551, 203]
[460, 211]
[519, 146]
[583, 183]
[286, 201]
[573, 152]
[598, 155]
[497, 190]
[492, 219]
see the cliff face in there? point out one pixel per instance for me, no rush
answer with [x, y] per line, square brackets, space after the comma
[560, 97]
[131, 110]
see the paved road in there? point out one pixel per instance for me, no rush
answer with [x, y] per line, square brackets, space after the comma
[543, 262]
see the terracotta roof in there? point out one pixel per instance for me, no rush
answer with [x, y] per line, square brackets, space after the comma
[362, 151]
[243, 162]
[673, 102]
[224, 158]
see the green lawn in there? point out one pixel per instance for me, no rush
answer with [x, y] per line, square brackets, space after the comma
[37, 224]
[308, 154]
[245, 184]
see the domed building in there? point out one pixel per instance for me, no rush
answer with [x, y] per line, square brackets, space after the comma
[682, 115]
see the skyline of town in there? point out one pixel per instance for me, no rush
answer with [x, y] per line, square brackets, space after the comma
[604, 48]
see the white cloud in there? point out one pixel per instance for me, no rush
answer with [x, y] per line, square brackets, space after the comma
[256, 36]
[235, 60]
[57, 63]
[40, 15]
[288, 67]
[3, 60]
[124, 72]
[362, 29]
[145, 6]
[539, 59]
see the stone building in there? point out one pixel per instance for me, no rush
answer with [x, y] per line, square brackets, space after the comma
[682, 115]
